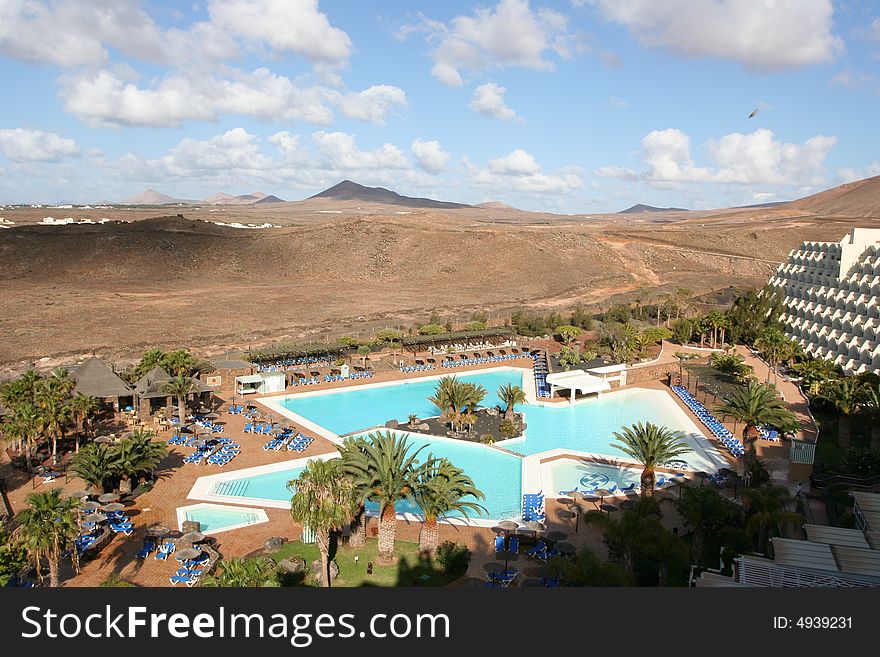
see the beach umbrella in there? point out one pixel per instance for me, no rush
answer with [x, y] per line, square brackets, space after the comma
[102, 440]
[79, 494]
[556, 536]
[508, 525]
[212, 416]
[106, 498]
[158, 531]
[197, 443]
[113, 507]
[565, 501]
[193, 537]
[608, 508]
[578, 510]
[535, 526]
[628, 504]
[187, 553]
[90, 505]
[95, 518]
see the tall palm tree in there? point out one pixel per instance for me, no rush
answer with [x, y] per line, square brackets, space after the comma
[22, 425]
[354, 465]
[47, 529]
[757, 403]
[650, 445]
[774, 346]
[388, 471]
[81, 408]
[258, 572]
[323, 500]
[442, 488]
[453, 397]
[767, 513]
[179, 386]
[54, 413]
[846, 396]
[871, 404]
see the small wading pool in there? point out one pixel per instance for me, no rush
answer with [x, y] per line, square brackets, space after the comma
[565, 475]
[215, 518]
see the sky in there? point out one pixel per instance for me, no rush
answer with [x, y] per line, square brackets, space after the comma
[572, 106]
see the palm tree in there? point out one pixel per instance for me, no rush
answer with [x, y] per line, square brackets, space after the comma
[846, 396]
[179, 386]
[871, 403]
[53, 413]
[354, 465]
[814, 373]
[442, 488]
[244, 573]
[705, 511]
[767, 512]
[96, 465]
[364, 351]
[775, 346]
[453, 396]
[650, 445]
[137, 455]
[81, 408]
[47, 529]
[757, 403]
[388, 470]
[714, 321]
[23, 426]
[323, 500]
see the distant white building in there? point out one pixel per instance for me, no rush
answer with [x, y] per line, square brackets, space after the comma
[832, 299]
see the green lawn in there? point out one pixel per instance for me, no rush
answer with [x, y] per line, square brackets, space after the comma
[409, 570]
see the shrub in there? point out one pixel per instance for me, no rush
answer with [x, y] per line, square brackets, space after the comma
[618, 313]
[431, 329]
[860, 461]
[114, 581]
[508, 429]
[474, 326]
[453, 557]
[581, 318]
[487, 439]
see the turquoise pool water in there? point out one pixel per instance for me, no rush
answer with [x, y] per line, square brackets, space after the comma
[268, 486]
[586, 475]
[213, 519]
[360, 408]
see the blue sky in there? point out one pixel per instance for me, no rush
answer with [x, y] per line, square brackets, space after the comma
[569, 106]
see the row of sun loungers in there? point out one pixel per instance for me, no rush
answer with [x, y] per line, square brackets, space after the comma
[280, 365]
[406, 369]
[542, 388]
[257, 427]
[298, 443]
[305, 381]
[228, 451]
[533, 507]
[717, 428]
[479, 361]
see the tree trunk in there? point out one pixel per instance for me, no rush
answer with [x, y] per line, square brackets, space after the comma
[843, 430]
[429, 537]
[322, 538]
[508, 413]
[54, 579]
[647, 482]
[358, 537]
[181, 410]
[387, 533]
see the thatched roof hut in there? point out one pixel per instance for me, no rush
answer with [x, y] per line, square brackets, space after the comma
[97, 379]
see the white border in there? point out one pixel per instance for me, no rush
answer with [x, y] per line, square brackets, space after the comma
[260, 513]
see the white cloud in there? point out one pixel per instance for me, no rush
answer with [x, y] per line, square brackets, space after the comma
[516, 163]
[753, 158]
[295, 26]
[761, 35]
[488, 100]
[518, 171]
[849, 174]
[338, 150]
[372, 104]
[510, 34]
[105, 98]
[853, 81]
[430, 156]
[23, 145]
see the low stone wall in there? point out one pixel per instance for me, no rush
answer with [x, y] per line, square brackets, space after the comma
[658, 372]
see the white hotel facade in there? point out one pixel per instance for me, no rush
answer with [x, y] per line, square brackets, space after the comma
[831, 296]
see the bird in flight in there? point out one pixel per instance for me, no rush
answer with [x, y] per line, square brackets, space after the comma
[754, 113]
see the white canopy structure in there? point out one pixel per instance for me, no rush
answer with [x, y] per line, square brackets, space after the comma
[577, 380]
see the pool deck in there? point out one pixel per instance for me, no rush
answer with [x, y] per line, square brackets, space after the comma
[159, 506]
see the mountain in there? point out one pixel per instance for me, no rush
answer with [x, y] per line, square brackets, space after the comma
[152, 197]
[496, 205]
[351, 191]
[219, 197]
[641, 207]
[271, 198]
[856, 199]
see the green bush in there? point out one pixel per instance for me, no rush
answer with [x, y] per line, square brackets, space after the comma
[431, 329]
[453, 557]
[508, 429]
[860, 461]
[487, 439]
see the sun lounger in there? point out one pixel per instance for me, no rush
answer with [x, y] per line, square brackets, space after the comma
[499, 543]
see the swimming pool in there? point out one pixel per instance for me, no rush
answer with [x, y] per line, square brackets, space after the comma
[214, 518]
